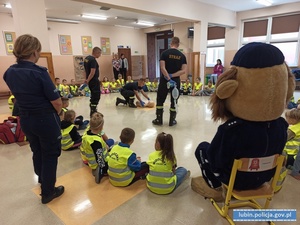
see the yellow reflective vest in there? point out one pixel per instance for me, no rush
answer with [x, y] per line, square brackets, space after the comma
[10, 102]
[87, 152]
[292, 146]
[73, 88]
[120, 174]
[161, 179]
[197, 86]
[66, 141]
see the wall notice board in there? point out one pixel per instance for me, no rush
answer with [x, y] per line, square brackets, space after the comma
[87, 46]
[105, 46]
[9, 40]
[65, 44]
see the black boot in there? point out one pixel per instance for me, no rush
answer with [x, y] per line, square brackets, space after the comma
[93, 109]
[159, 117]
[131, 103]
[172, 120]
[119, 100]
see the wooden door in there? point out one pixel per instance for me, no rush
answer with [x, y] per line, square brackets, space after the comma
[127, 54]
[47, 57]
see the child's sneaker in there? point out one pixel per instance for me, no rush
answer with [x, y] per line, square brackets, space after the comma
[98, 175]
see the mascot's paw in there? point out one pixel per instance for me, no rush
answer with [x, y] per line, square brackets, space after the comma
[199, 185]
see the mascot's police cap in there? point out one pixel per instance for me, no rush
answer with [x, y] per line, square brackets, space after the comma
[258, 55]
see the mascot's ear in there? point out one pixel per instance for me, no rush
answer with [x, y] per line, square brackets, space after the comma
[226, 88]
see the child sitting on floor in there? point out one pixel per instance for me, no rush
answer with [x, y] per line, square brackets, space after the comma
[79, 122]
[94, 150]
[71, 139]
[124, 167]
[292, 145]
[164, 177]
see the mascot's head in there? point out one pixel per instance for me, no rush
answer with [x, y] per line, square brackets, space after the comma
[256, 87]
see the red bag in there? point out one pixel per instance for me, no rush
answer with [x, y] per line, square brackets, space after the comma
[10, 131]
[19, 134]
[6, 135]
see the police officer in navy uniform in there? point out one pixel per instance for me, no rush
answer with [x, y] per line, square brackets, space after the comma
[91, 68]
[173, 64]
[130, 90]
[39, 104]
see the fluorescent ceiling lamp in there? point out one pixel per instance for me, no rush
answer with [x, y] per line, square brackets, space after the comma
[124, 26]
[7, 6]
[94, 17]
[264, 2]
[144, 23]
[63, 20]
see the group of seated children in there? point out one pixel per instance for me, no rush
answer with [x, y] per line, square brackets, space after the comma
[72, 90]
[197, 89]
[115, 85]
[124, 167]
[70, 124]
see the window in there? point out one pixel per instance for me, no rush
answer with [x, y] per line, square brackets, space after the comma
[281, 31]
[215, 45]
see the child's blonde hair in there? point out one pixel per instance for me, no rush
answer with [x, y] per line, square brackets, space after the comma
[69, 116]
[96, 121]
[293, 114]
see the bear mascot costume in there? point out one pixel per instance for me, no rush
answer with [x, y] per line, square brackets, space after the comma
[249, 98]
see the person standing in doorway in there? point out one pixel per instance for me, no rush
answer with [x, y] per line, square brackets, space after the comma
[173, 64]
[116, 66]
[123, 66]
[91, 68]
[39, 104]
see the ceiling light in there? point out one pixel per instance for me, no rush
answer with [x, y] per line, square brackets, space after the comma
[264, 2]
[94, 17]
[124, 26]
[7, 6]
[62, 20]
[144, 23]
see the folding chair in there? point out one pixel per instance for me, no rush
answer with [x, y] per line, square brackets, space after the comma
[248, 198]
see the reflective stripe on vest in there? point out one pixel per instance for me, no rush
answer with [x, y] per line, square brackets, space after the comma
[115, 170]
[161, 174]
[121, 179]
[162, 186]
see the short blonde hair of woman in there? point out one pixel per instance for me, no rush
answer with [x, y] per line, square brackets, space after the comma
[293, 114]
[25, 46]
[96, 121]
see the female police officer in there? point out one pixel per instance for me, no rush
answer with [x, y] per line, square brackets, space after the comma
[39, 104]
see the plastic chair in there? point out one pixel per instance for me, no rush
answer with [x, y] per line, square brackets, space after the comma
[248, 198]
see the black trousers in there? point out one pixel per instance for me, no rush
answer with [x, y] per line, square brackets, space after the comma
[94, 86]
[207, 174]
[44, 135]
[123, 71]
[116, 73]
[127, 94]
[163, 91]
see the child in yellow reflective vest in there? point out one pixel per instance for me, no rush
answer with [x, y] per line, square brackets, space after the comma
[94, 150]
[71, 139]
[291, 149]
[163, 176]
[292, 146]
[124, 167]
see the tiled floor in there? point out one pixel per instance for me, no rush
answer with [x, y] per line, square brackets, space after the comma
[85, 202]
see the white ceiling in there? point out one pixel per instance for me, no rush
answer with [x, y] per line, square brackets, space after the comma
[69, 9]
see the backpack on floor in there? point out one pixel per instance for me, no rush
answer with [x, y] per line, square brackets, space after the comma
[6, 135]
[10, 131]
